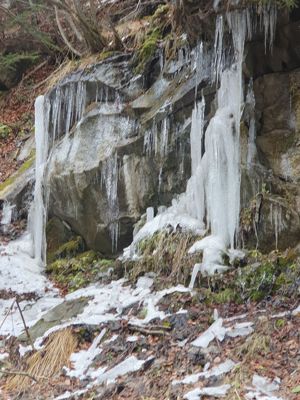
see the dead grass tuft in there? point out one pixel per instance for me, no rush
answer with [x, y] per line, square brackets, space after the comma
[47, 362]
[166, 254]
[256, 344]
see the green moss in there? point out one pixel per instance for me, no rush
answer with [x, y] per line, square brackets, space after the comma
[24, 167]
[70, 248]
[148, 48]
[71, 273]
[280, 323]
[105, 54]
[161, 11]
[257, 282]
[227, 295]
[5, 131]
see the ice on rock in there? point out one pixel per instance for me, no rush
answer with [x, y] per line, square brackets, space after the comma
[7, 212]
[149, 214]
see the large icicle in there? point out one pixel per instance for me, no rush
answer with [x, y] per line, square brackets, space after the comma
[38, 212]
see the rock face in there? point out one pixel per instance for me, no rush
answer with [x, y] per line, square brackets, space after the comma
[120, 159]
[131, 150]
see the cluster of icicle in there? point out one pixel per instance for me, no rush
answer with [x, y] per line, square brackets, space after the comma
[55, 115]
[212, 196]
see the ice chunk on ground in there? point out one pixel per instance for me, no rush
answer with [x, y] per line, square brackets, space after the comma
[3, 356]
[214, 391]
[216, 330]
[216, 371]
[68, 394]
[263, 389]
[240, 329]
[130, 364]
[83, 359]
[132, 339]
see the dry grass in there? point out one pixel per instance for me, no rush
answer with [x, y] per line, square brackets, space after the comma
[166, 254]
[254, 345]
[64, 69]
[45, 363]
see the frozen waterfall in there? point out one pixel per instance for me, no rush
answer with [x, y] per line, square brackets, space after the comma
[212, 197]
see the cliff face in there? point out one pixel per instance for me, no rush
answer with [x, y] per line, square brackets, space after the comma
[121, 141]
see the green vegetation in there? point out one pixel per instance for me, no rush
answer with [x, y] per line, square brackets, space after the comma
[71, 268]
[68, 250]
[24, 167]
[5, 131]
[12, 61]
[148, 49]
[76, 272]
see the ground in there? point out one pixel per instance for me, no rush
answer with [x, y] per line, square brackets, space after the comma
[143, 329]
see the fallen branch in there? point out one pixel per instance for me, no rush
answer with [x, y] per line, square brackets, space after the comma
[30, 73]
[7, 314]
[7, 372]
[24, 323]
[154, 332]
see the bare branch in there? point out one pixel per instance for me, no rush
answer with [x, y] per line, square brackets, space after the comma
[65, 39]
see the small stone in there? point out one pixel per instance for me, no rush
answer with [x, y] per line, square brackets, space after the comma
[196, 356]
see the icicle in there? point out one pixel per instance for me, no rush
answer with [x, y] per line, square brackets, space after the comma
[197, 134]
[218, 49]
[268, 20]
[196, 269]
[69, 107]
[250, 101]
[164, 138]
[109, 179]
[149, 214]
[276, 221]
[7, 211]
[160, 179]
[38, 213]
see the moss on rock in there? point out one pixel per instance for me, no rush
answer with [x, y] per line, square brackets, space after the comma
[71, 271]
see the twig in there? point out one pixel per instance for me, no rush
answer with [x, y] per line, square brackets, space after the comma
[33, 71]
[147, 331]
[7, 314]
[25, 326]
[7, 372]
[237, 394]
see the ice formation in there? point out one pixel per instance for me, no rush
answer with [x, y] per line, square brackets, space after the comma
[214, 372]
[212, 195]
[213, 391]
[38, 212]
[218, 331]
[7, 212]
